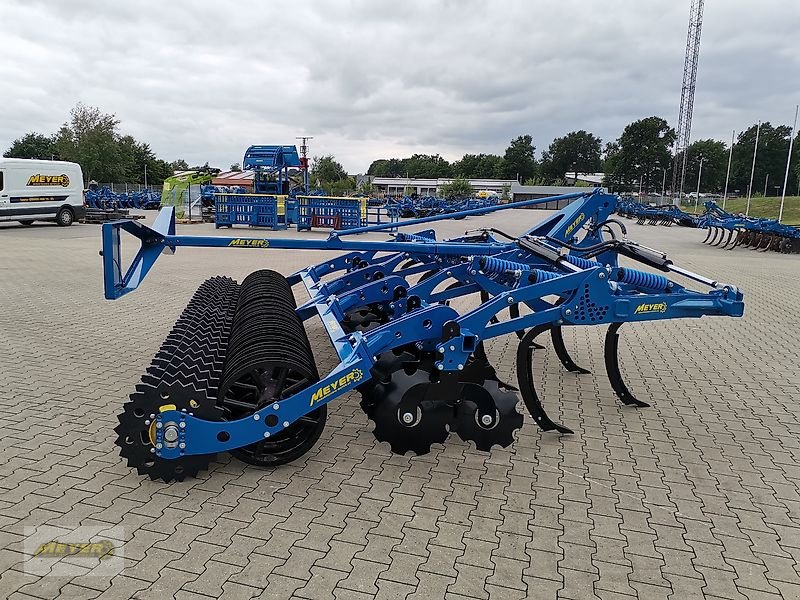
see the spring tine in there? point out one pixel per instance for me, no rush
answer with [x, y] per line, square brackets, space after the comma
[563, 354]
[527, 388]
[611, 356]
[721, 237]
[513, 312]
[728, 241]
[708, 235]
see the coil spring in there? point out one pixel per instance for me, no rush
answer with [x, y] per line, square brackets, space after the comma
[643, 279]
[538, 276]
[410, 237]
[583, 263]
[498, 266]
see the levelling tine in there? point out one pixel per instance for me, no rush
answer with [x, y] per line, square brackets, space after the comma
[612, 368]
[563, 354]
[525, 379]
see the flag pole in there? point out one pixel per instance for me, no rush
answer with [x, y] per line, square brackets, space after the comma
[728, 174]
[752, 172]
[788, 161]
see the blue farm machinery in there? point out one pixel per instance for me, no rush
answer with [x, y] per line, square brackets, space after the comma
[728, 231]
[666, 215]
[237, 373]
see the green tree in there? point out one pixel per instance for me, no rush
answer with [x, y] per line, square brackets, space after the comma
[365, 188]
[340, 187]
[326, 169]
[640, 155]
[457, 188]
[773, 147]
[386, 167]
[714, 155]
[480, 166]
[32, 145]
[506, 193]
[179, 165]
[578, 151]
[537, 180]
[90, 138]
[139, 159]
[430, 166]
[236, 167]
[519, 159]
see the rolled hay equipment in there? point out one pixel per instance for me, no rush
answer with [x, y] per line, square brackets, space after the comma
[237, 373]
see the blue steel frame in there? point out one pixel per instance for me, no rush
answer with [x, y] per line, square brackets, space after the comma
[587, 281]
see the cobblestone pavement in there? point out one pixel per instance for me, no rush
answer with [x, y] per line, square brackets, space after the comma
[695, 496]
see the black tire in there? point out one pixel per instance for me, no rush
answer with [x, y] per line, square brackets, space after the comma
[65, 217]
[27, 222]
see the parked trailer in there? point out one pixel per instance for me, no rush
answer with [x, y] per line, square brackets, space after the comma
[237, 373]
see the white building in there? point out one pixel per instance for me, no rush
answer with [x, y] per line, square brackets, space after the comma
[396, 186]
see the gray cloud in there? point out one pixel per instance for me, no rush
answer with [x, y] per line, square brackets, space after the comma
[368, 79]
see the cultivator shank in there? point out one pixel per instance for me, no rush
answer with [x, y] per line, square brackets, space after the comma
[729, 231]
[237, 374]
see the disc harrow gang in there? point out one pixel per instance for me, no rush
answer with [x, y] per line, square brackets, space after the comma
[237, 372]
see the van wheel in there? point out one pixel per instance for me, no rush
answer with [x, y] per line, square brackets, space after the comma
[27, 222]
[65, 217]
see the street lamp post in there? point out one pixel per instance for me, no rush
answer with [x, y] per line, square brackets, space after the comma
[145, 175]
[663, 185]
[699, 174]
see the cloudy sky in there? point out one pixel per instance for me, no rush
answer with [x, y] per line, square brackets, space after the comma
[203, 80]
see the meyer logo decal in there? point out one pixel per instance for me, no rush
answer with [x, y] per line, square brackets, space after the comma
[43, 180]
[249, 243]
[345, 380]
[660, 307]
[575, 223]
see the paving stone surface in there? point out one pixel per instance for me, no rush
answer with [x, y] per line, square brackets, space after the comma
[696, 496]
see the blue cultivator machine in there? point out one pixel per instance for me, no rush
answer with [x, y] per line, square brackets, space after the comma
[666, 215]
[425, 206]
[751, 232]
[105, 199]
[237, 374]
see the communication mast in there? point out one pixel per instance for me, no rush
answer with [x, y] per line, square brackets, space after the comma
[687, 97]
[304, 159]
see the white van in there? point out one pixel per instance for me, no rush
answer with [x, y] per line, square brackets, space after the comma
[40, 190]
